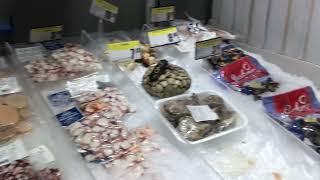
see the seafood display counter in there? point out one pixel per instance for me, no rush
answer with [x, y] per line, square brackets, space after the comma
[163, 115]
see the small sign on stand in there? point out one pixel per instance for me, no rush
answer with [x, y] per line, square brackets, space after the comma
[124, 50]
[162, 14]
[104, 10]
[207, 48]
[163, 37]
[45, 34]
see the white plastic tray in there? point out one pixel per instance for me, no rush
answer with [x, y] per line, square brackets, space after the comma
[241, 119]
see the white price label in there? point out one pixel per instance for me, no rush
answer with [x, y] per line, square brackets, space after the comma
[163, 37]
[30, 53]
[86, 84]
[12, 152]
[104, 10]
[207, 48]
[162, 14]
[202, 113]
[40, 157]
[46, 33]
[124, 50]
[9, 85]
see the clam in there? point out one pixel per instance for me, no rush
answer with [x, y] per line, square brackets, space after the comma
[166, 80]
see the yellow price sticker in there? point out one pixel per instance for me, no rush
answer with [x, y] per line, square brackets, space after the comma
[123, 46]
[209, 43]
[163, 10]
[162, 32]
[48, 29]
[107, 6]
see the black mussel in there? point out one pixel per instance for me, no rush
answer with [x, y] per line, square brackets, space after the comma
[312, 132]
[158, 70]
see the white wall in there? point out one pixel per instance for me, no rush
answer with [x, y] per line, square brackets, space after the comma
[288, 27]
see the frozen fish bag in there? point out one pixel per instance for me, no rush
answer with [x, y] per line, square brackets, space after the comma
[224, 55]
[101, 139]
[292, 105]
[70, 62]
[248, 76]
[299, 112]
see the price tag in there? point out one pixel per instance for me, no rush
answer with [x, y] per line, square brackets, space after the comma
[30, 53]
[207, 48]
[163, 37]
[46, 33]
[40, 157]
[88, 83]
[12, 152]
[202, 113]
[162, 14]
[104, 10]
[9, 85]
[124, 50]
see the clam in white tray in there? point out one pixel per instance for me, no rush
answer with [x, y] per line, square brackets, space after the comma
[240, 121]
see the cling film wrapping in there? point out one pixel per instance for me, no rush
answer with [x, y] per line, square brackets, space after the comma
[299, 112]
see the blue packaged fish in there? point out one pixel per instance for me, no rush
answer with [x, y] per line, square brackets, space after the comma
[248, 76]
[299, 112]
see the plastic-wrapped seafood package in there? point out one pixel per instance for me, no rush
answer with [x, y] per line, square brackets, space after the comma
[15, 110]
[70, 62]
[248, 76]
[107, 98]
[154, 159]
[101, 136]
[97, 89]
[101, 139]
[200, 117]
[18, 164]
[297, 111]
[22, 170]
[19, 169]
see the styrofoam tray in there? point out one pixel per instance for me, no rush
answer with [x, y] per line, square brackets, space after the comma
[241, 119]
